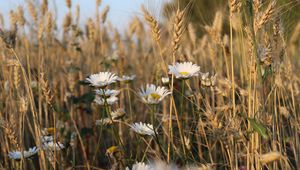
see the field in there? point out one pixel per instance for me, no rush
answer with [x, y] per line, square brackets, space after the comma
[161, 94]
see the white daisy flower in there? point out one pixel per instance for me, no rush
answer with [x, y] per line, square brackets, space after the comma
[143, 128]
[184, 70]
[46, 139]
[141, 166]
[102, 79]
[107, 93]
[53, 146]
[110, 101]
[17, 155]
[165, 80]
[126, 79]
[153, 94]
[118, 114]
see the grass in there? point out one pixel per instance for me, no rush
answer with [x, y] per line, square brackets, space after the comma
[243, 114]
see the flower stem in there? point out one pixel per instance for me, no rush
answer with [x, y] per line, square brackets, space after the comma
[182, 117]
[153, 110]
[129, 100]
[116, 134]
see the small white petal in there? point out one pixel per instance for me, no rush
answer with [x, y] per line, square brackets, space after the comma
[141, 166]
[110, 101]
[53, 146]
[107, 92]
[102, 79]
[143, 128]
[126, 78]
[17, 155]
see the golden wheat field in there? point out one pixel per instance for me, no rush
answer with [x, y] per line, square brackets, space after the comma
[165, 92]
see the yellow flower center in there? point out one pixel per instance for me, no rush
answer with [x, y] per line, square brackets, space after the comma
[112, 149]
[155, 96]
[184, 73]
[50, 130]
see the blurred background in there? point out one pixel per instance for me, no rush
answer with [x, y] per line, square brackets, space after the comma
[122, 11]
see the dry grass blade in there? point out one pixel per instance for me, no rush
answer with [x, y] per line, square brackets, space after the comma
[270, 157]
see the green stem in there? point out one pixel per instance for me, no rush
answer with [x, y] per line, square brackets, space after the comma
[116, 134]
[138, 148]
[99, 139]
[129, 100]
[182, 102]
[152, 115]
[182, 116]
[163, 152]
[153, 110]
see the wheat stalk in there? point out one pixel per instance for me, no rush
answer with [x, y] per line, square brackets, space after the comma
[104, 14]
[13, 19]
[98, 2]
[17, 78]
[192, 34]
[49, 23]
[69, 4]
[32, 11]
[91, 29]
[11, 134]
[1, 20]
[153, 24]
[234, 5]
[67, 22]
[45, 89]
[41, 30]
[266, 16]
[44, 7]
[20, 16]
[178, 30]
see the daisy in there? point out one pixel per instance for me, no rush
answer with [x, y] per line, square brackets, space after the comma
[184, 70]
[102, 79]
[141, 166]
[46, 139]
[143, 128]
[118, 114]
[17, 155]
[53, 146]
[126, 79]
[110, 101]
[153, 94]
[107, 93]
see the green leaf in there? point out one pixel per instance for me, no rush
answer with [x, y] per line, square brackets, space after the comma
[259, 128]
